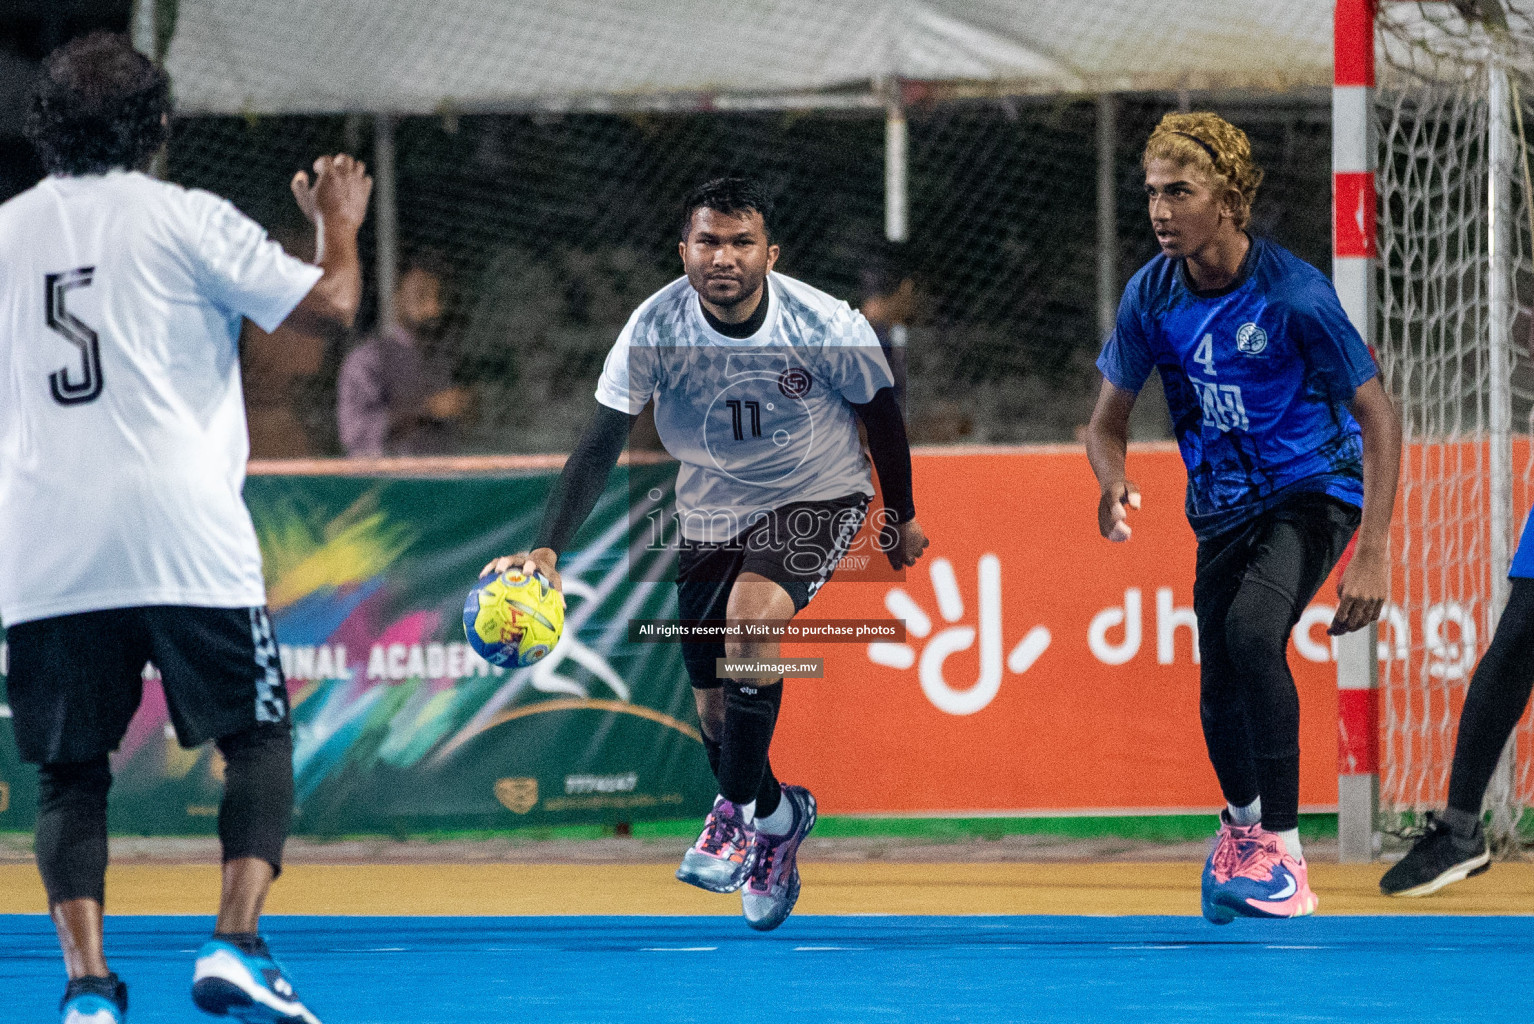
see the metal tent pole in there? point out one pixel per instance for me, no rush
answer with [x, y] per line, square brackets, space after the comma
[386, 214]
[1107, 215]
[897, 201]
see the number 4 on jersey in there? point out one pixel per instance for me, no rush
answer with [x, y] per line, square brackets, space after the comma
[1204, 355]
[65, 323]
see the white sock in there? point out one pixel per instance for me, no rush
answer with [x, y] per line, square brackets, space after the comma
[1251, 814]
[779, 822]
[1291, 838]
[747, 811]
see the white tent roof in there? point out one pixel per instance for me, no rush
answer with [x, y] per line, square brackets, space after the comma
[424, 56]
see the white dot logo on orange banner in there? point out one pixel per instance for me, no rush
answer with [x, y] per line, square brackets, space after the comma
[950, 604]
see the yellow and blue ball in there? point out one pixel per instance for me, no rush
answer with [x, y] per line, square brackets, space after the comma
[513, 620]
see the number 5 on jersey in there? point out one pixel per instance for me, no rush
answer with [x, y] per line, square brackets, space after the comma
[62, 322]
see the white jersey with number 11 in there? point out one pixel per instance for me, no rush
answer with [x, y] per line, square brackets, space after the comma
[759, 422]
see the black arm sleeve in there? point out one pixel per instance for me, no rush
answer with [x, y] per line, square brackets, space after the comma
[584, 477]
[891, 450]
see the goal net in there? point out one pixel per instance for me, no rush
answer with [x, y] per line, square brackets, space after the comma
[1455, 85]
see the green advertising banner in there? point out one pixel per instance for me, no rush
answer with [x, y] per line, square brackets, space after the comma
[398, 726]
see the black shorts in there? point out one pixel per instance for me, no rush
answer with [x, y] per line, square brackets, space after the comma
[75, 680]
[1290, 549]
[797, 546]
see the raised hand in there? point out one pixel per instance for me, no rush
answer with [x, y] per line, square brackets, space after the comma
[339, 193]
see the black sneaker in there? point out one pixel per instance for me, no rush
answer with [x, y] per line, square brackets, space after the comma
[1436, 859]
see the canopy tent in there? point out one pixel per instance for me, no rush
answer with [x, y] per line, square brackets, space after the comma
[393, 58]
[419, 57]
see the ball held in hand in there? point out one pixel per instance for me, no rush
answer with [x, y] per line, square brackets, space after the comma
[513, 620]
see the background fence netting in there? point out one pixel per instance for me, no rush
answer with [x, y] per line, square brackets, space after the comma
[1455, 295]
[553, 227]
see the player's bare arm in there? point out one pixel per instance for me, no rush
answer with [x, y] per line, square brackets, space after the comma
[336, 203]
[575, 494]
[1107, 449]
[1365, 584]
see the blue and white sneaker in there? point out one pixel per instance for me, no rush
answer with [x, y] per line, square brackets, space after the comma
[246, 984]
[95, 1001]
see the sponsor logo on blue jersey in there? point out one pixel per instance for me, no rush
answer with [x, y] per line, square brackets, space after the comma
[1251, 340]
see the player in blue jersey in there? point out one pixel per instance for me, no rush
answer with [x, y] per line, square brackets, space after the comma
[1291, 445]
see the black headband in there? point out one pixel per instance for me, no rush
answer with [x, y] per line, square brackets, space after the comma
[1206, 147]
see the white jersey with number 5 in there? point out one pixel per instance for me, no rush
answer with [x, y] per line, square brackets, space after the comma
[759, 422]
[122, 423]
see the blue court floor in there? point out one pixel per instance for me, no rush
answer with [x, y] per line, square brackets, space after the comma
[828, 970]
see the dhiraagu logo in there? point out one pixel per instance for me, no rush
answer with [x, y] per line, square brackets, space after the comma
[946, 697]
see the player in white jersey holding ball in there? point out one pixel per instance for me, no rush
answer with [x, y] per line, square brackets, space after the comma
[759, 382]
[124, 538]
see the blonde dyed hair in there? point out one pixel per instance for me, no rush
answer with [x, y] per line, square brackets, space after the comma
[1216, 148]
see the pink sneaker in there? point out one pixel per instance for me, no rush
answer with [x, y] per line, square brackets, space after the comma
[1233, 846]
[1267, 882]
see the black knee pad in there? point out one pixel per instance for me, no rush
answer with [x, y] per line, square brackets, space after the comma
[257, 809]
[71, 835]
[699, 658]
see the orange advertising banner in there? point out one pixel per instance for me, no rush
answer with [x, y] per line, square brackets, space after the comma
[1044, 670]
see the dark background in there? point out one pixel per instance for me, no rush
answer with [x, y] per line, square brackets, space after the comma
[554, 227]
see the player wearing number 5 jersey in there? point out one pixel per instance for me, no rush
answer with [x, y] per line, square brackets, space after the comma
[758, 382]
[124, 539]
[1291, 444]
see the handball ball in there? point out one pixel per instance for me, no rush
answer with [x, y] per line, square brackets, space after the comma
[513, 620]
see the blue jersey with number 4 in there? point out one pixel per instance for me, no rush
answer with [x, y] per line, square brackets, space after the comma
[1257, 378]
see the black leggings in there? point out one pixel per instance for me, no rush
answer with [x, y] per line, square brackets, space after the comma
[1499, 691]
[1251, 587]
[253, 819]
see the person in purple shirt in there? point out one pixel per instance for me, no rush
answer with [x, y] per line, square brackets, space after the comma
[396, 395]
